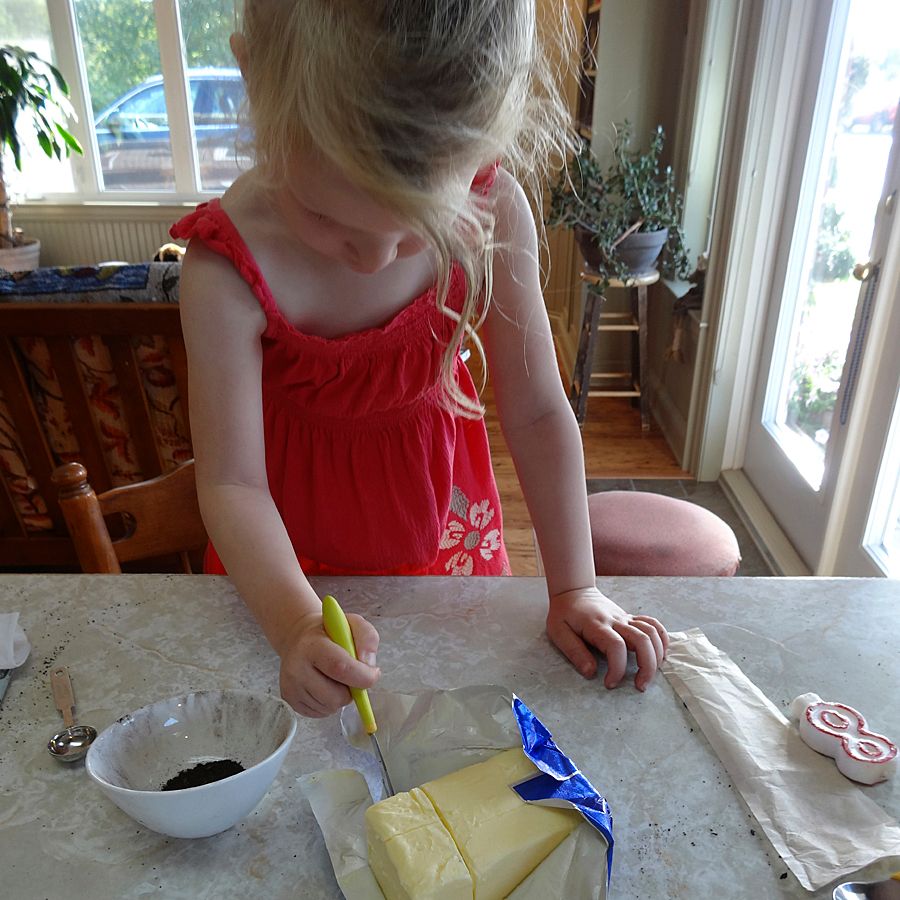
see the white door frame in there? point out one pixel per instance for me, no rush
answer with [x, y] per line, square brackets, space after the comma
[877, 389]
[769, 93]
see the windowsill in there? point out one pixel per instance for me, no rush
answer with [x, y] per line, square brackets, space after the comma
[675, 287]
[47, 203]
[115, 212]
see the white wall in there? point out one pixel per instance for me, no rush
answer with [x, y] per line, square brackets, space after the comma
[639, 62]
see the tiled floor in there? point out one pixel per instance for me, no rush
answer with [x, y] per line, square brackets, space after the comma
[707, 494]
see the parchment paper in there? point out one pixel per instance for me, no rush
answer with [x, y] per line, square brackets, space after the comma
[14, 648]
[821, 824]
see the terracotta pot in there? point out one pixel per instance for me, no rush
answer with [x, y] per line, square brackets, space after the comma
[21, 258]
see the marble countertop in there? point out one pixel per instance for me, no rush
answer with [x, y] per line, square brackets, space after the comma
[681, 829]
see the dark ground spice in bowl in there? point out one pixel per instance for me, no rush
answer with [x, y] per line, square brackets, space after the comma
[203, 773]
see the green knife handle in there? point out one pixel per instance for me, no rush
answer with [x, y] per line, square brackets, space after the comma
[338, 629]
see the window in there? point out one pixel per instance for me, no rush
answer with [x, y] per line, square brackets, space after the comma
[26, 23]
[157, 93]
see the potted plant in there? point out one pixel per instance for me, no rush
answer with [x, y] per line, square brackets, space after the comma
[625, 217]
[32, 85]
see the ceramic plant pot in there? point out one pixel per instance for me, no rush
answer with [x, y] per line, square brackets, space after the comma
[589, 250]
[21, 258]
[640, 251]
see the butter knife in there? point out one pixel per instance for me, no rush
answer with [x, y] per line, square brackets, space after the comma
[338, 629]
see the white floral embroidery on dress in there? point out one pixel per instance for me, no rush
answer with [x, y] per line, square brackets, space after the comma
[470, 532]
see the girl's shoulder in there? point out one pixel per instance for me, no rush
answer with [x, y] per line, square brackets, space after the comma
[238, 239]
[221, 224]
[514, 224]
[249, 208]
[219, 275]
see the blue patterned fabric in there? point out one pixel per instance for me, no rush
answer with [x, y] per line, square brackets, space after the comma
[155, 282]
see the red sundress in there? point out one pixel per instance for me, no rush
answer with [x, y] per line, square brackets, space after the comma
[369, 471]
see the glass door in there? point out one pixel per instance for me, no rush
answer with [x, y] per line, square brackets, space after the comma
[829, 277]
[868, 541]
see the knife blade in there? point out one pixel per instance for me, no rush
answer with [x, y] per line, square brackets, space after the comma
[338, 629]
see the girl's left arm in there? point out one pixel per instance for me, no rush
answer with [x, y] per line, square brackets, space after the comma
[545, 442]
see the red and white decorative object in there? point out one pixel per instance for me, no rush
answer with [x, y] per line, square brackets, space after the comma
[841, 732]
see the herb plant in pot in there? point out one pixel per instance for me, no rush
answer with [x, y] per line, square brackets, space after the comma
[29, 84]
[625, 217]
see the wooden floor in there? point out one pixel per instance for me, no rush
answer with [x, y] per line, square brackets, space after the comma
[614, 447]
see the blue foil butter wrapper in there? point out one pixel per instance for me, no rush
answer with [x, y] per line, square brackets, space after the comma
[560, 781]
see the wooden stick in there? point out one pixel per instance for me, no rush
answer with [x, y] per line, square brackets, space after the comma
[625, 233]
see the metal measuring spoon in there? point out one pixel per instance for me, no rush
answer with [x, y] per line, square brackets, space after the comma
[889, 889]
[71, 744]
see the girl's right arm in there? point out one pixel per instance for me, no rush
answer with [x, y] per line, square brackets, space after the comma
[223, 323]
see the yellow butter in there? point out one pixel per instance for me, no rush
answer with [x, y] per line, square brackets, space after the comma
[411, 853]
[500, 838]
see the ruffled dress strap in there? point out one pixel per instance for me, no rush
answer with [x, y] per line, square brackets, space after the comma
[484, 178]
[210, 224]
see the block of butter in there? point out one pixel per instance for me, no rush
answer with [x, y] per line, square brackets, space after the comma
[467, 834]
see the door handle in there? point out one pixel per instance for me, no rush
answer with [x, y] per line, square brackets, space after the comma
[864, 271]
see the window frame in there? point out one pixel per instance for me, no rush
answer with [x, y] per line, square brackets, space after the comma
[86, 171]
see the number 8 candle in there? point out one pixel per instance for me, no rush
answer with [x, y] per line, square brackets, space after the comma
[840, 731]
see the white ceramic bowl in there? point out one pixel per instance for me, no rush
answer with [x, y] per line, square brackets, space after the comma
[142, 751]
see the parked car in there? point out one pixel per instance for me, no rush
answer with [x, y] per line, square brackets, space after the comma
[135, 143]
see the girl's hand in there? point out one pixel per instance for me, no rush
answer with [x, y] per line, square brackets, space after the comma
[316, 674]
[585, 618]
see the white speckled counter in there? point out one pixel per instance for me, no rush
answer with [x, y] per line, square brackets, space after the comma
[681, 830]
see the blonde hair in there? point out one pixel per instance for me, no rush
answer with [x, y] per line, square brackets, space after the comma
[402, 95]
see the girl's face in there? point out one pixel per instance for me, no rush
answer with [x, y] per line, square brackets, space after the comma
[341, 222]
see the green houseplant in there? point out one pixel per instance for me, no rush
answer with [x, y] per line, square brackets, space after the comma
[634, 202]
[29, 84]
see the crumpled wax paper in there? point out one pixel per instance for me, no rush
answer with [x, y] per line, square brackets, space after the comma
[821, 824]
[423, 736]
[14, 647]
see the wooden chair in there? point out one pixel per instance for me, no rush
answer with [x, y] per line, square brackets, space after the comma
[158, 517]
[120, 327]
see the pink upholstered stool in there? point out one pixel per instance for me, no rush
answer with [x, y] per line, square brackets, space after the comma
[641, 533]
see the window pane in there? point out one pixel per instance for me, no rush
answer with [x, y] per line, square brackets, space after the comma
[25, 23]
[121, 54]
[850, 183]
[216, 88]
[882, 537]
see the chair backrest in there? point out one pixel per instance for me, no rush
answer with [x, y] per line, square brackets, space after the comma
[92, 369]
[161, 517]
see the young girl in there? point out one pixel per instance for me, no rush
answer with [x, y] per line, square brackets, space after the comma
[325, 300]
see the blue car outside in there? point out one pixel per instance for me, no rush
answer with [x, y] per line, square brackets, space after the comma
[135, 143]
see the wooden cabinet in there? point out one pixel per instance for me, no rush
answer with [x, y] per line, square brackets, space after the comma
[563, 262]
[588, 69]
